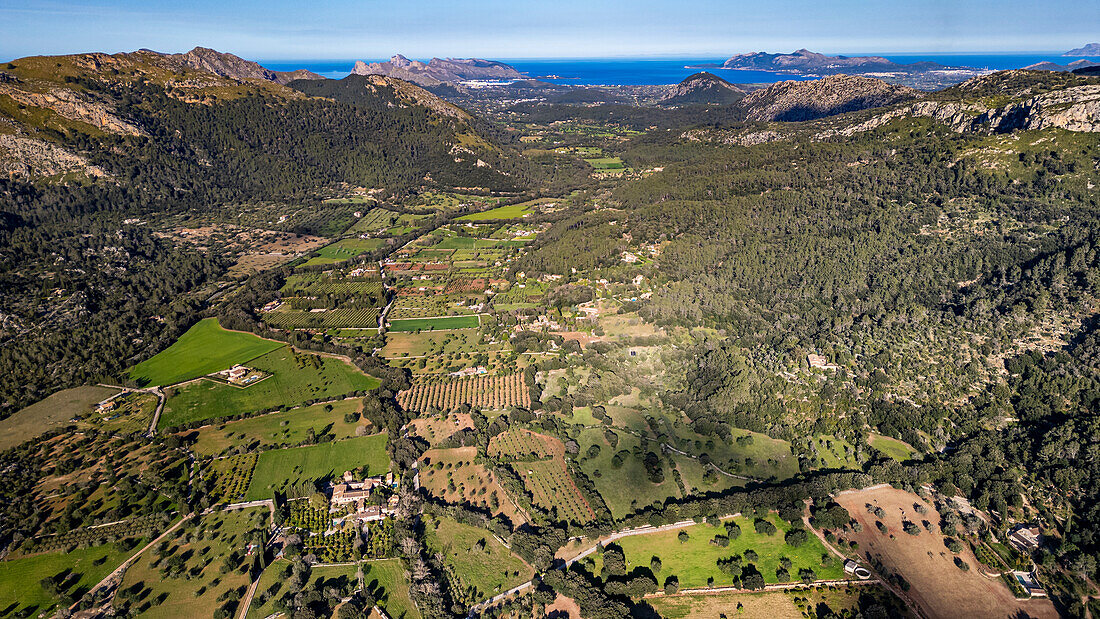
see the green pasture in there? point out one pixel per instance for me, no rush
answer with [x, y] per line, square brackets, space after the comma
[279, 470]
[205, 348]
[296, 377]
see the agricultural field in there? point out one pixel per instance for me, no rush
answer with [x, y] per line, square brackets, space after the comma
[52, 412]
[484, 392]
[132, 413]
[539, 460]
[386, 579]
[553, 489]
[201, 563]
[382, 222]
[203, 349]
[694, 561]
[231, 476]
[343, 250]
[938, 586]
[892, 447]
[445, 344]
[446, 201]
[841, 601]
[605, 163]
[348, 318]
[296, 377]
[618, 471]
[289, 470]
[283, 429]
[409, 306]
[438, 428]
[511, 211]
[434, 324]
[477, 563]
[75, 573]
[452, 476]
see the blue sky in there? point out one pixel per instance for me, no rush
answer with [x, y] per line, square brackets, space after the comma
[343, 29]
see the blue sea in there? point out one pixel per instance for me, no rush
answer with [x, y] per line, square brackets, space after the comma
[644, 71]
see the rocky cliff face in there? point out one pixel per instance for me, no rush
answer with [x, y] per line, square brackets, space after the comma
[837, 94]
[229, 65]
[1076, 108]
[703, 88]
[438, 71]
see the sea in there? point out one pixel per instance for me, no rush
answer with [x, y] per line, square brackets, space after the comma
[649, 70]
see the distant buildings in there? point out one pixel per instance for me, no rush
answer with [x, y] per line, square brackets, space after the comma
[819, 362]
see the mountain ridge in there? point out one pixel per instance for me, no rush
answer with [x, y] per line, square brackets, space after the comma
[438, 71]
[1089, 49]
[230, 65]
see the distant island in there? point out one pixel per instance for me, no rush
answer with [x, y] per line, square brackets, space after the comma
[805, 62]
[925, 75]
[439, 71]
[1091, 49]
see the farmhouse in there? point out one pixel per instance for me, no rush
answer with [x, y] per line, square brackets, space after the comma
[351, 491]
[1025, 538]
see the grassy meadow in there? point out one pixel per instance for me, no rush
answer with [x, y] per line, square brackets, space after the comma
[282, 429]
[19, 578]
[205, 348]
[694, 561]
[281, 469]
[54, 411]
[483, 569]
[295, 378]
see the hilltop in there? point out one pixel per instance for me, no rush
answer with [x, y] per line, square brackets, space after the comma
[835, 94]
[229, 65]
[703, 88]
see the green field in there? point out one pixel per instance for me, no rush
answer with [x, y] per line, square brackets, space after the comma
[19, 578]
[342, 250]
[434, 324]
[278, 430]
[343, 578]
[201, 587]
[892, 447]
[281, 469]
[695, 561]
[295, 378]
[483, 572]
[605, 163]
[205, 348]
[50, 413]
[386, 578]
[512, 211]
[625, 488]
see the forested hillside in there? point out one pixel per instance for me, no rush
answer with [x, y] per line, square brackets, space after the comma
[91, 140]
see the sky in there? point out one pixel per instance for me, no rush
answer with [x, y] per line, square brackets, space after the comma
[514, 29]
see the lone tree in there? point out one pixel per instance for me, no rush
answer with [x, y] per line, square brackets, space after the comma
[796, 537]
